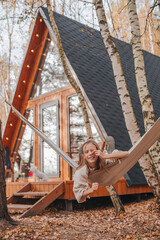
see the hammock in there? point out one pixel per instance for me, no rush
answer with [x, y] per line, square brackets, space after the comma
[113, 171]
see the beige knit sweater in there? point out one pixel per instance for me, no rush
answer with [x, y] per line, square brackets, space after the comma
[82, 180]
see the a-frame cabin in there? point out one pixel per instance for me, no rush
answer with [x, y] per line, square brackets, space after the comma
[45, 97]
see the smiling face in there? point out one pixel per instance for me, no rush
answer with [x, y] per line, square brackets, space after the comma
[88, 154]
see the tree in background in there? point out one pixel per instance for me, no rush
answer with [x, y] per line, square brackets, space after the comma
[12, 22]
[120, 20]
[3, 91]
[148, 15]
[4, 215]
[113, 194]
[144, 95]
[131, 123]
[8, 6]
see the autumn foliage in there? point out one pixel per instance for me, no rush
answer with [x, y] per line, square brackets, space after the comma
[95, 219]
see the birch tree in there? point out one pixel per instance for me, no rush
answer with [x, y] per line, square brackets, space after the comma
[113, 194]
[127, 109]
[144, 95]
[10, 28]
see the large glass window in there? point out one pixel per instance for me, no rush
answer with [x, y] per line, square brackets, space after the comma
[52, 76]
[50, 126]
[25, 150]
[77, 130]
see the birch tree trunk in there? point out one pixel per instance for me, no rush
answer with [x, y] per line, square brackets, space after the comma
[68, 72]
[10, 28]
[144, 95]
[4, 215]
[117, 203]
[125, 100]
[63, 7]
[113, 194]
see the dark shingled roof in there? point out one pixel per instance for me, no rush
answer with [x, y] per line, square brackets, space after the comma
[87, 55]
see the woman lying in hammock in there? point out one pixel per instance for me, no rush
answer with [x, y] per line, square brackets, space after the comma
[92, 159]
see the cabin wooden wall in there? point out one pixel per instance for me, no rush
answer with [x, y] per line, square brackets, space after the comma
[121, 188]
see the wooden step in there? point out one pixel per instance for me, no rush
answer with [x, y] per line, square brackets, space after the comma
[38, 194]
[19, 206]
[43, 202]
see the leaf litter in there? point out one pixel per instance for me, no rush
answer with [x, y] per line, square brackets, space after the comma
[92, 220]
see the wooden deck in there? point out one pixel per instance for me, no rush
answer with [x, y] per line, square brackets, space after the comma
[121, 188]
[44, 193]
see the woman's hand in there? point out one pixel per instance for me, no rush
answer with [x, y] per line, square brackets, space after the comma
[89, 191]
[95, 186]
[100, 154]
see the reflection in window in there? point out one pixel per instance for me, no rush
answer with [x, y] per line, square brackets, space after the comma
[25, 152]
[77, 130]
[49, 121]
[52, 76]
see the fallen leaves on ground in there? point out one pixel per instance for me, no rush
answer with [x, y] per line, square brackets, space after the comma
[139, 222]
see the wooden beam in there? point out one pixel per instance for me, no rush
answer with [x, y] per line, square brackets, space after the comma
[25, 83]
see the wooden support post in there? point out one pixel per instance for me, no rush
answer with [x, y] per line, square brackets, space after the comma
[69, 205]
[138, 197]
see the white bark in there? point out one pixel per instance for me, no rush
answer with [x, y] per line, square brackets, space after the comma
[68, 72]
[125, 100]
[117, 203]
[10, 28]
[144, 95]
[150, 32]
[111, 190]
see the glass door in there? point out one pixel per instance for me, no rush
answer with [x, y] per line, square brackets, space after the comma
[50, 126]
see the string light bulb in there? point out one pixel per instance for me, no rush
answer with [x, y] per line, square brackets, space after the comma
[28, 66]
[40, 20]
[24, 81]
[32, 50]
[37, 35]
[19, 96]
[11, 124]
[7, 138]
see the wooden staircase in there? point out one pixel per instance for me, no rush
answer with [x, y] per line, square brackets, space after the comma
[44, 198]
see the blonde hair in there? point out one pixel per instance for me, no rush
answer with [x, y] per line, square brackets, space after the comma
[82, 162]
